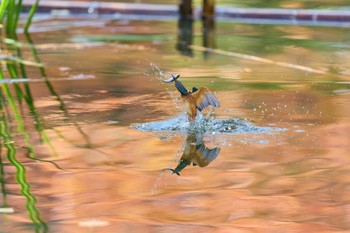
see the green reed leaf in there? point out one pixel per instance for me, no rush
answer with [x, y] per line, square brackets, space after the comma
[10, 58]
[3, 7]
[31, 15]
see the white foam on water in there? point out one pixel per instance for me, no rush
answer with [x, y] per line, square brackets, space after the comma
[204, 125]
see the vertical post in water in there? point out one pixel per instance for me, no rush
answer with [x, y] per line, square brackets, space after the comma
[208, 8]
[185, 36]
[185, 9]
[185, 28]
[208, 19]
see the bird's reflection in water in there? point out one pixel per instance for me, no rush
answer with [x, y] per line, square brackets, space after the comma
[197, 153]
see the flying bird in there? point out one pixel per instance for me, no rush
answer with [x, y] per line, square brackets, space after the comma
[197, 99]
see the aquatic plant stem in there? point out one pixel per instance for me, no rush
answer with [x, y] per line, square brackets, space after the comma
[22, 181]
[53, 91]
[29, 100]
[9, 16]
[13, 71]
[31, 15]
[20, 123]
[17, 15]
[2, 180]
[3, 7]
[12, 10]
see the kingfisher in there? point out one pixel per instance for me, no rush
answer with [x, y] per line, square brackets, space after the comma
[197, 153]
[197, 99]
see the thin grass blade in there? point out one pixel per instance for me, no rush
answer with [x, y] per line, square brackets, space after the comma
[3, 7]
[31, 15]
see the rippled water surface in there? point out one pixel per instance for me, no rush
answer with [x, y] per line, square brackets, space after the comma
[104, 145]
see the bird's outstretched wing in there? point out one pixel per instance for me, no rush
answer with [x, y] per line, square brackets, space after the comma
[204, 97]
[209, 154]
[206, 155]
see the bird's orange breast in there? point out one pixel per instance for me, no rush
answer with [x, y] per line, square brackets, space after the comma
[190, 105]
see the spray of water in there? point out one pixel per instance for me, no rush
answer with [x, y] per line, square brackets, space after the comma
[154, 72]
[204, 124]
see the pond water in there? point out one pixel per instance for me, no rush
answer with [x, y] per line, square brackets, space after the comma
[98, 146]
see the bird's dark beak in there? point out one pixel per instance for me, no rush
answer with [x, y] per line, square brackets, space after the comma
[175, 172]
[175, 77]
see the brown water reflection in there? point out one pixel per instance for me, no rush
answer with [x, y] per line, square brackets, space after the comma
[110, 176]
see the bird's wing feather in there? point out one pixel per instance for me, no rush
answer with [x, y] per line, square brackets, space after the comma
[204, 97]
[209, 155]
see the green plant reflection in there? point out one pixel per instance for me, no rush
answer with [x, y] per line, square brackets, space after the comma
[9, 111]
[14, 98]
[31, 201]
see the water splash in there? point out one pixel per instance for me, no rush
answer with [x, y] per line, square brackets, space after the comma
[204, 124]
[160, 182]
[155, 72]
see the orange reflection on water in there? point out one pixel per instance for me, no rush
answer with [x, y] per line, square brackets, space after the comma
[109, 177]
[296, 182]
